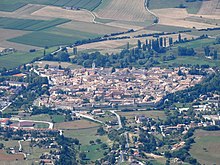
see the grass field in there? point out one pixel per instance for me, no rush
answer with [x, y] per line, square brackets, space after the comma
[75, 125]
[93, 152]
[19, 58]
[192, 60]
[152, 114]
[14, 5]
[10, 7]
[192, 7]
[41, 117]
[29, 24]
[58, 118]
[207, 147]
[85, 135]
[52, 37]
[129, 10]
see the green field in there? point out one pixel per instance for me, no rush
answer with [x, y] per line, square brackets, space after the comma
[93, 152]
[29, 24]
[58, 118]
[152, 114]
[41, 117]
[9, 6]
[85, 135]
[207, 147]
[196, 44]
[166, 28]
[52, 37]
[191, 60]
[18, 58]
[192, 7]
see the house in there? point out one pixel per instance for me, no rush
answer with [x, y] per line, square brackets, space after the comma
[98, 112]
[141, 119]
[4, 121]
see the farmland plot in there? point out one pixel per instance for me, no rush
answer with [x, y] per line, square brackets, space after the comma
[9, 6]
[177, 17]
[57, 12]
[126, 10]
[29, 24]
[210, 8]
[91, 27]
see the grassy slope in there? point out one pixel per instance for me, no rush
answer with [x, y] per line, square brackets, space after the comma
[207, 147]
[19, 58]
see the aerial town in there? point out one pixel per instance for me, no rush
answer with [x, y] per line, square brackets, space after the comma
[107, 88]
[109, 82]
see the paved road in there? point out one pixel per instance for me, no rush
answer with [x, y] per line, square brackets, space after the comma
[152, 13]
[119, 119]
[5, 107]
[90, 118]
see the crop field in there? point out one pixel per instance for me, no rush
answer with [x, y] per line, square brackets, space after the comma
[74, 125]
[10, 7]
[152, 114]
[207, 147]
[28, 24]
[192, 7]
[204, 20]
[18, 58]
[57, 12]
[52, 37]
[13, 5]
[92, 28]
[177, 17]
[41, 117]
[42, 39]
[210, 8]
[128, 10]
[9, 157]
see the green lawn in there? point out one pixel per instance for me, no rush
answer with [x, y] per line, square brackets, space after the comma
[58, 118]
[93, 152]
[18, 58]
[207, 147]
[192, 7]
[41, 125]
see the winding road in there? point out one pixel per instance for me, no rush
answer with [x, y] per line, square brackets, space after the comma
[119, 119]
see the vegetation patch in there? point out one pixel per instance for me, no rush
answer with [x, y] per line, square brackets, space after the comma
[29, 24]
[192, 7]
[207, 147]
[10, 7]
